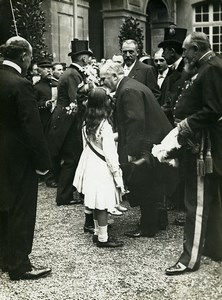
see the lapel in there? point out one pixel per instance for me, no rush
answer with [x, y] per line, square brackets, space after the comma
[133, 72]
[123, 81]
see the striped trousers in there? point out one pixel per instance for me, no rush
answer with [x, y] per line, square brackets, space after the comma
[203, 205]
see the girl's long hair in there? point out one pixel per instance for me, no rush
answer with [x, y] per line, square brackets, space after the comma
[98, 107]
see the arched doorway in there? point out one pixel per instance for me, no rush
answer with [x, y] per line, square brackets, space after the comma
[158, 17]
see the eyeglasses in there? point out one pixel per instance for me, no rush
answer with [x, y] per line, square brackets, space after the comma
[160, 60]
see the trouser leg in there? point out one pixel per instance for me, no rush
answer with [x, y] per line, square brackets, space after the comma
[21, 224]
[213, 239]
[197, 201]
[3, 240]
[70, 155]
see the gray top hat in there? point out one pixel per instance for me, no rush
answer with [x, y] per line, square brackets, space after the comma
[173, 35]
[79, 47]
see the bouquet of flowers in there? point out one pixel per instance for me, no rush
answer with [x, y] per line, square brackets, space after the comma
[92, 75]
[71, 108]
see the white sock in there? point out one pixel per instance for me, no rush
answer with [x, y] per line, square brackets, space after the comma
[103, 234]
[96, 227]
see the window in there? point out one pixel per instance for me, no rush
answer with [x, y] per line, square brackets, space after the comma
[207, 18]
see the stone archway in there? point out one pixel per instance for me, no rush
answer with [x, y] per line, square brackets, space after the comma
[159, 15]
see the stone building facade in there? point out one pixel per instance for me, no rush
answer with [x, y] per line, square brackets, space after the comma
[99, 22]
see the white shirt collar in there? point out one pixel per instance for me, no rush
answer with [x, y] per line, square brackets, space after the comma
[164, 74]
[176, 63]
[128, 69]
[13, 65]
[78, 66]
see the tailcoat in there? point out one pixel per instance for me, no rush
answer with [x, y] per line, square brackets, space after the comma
[201, 105]
[65, 131]
[22, 150]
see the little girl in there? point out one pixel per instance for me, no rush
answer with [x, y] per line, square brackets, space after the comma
[98, 175]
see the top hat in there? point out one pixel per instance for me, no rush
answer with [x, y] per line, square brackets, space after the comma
[79, 47]
[173, 35]
[44, 63]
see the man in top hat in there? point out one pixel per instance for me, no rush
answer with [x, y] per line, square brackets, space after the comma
[170, 89]
[65, 129]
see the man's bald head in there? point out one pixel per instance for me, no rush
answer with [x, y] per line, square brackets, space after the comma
[19, 51]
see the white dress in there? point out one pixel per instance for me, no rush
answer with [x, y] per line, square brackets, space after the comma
[94, 177]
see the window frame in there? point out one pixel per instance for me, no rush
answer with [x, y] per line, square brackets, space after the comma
[210, 24]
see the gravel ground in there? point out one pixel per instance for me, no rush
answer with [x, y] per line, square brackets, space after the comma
[81, 271]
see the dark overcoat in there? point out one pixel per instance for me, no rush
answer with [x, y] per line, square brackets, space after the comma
[22, 143]
[141, 123]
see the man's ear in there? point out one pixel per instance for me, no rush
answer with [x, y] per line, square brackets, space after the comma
[115, 77]
[23, 55]
[84, 58]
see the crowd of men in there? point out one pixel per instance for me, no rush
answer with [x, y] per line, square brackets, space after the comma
[180, 93]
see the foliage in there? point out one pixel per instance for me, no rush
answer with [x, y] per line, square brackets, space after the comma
[130, 30]
[30, 21]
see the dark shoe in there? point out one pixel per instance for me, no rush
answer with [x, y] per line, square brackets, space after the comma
[177, 269]
[52, 184]
[72, 202]
[109, 244]
[138, 233]
[179, 221]
[89, 229]
[33, 274]
[95, 238]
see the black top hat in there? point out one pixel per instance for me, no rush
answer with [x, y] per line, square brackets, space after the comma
[79, 47]
[44, 63]
[173, 35]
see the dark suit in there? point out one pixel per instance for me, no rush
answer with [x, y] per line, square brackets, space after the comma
[171, 89]
[22, 151]
[65, 132]
[201, 104]
[145, 74]
[43, 90]
[140, 124]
